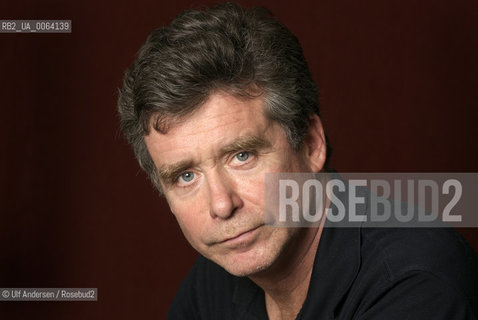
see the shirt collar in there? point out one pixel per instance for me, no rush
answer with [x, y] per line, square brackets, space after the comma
[336, 265]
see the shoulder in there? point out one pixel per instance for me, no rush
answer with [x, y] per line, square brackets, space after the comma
[440, 251]
[207, 288]
[430, 267]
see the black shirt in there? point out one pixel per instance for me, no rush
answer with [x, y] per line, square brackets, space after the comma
[359, 273]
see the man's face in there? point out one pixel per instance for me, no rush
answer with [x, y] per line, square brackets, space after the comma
[212, 169]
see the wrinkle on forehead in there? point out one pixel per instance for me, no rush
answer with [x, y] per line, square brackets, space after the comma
[163, 123]
[205, 119]
[218, 122]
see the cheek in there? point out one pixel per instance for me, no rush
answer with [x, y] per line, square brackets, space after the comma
[191, 218]
[251, 189]
[192, 230]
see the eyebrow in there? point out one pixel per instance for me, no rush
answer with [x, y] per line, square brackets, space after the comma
[168, 173]
[245, 143]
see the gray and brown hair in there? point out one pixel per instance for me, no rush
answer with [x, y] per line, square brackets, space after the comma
[244, 52]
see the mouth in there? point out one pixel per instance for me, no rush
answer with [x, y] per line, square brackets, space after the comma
[242, 238]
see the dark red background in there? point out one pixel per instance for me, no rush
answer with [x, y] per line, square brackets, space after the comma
[398, 86]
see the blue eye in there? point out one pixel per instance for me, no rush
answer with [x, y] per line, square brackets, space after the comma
[187, 176]
[242, 156]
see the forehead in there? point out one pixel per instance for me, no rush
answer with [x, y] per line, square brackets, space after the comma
[221, 110]
[221, 119]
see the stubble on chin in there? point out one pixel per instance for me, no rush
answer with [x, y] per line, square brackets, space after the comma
[262, 258]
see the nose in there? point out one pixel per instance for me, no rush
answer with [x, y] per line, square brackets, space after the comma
[223, 197]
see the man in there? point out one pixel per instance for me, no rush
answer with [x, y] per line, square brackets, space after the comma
[213, 102]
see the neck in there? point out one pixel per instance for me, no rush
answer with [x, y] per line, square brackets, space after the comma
[286, 283]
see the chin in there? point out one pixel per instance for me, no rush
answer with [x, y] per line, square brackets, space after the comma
[249, 263]
[259, 257]
[240, 270]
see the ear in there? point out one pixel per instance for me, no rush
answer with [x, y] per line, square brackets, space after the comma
[315, 147]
